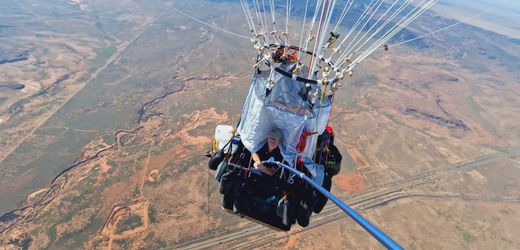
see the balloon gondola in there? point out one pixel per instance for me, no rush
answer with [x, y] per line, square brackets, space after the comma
[277, 165]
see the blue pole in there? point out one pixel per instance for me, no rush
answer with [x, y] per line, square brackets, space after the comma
[373, 230]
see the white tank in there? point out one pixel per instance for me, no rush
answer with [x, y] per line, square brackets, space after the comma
[223, 133]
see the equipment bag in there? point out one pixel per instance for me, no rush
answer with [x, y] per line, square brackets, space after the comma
[286, 210]
[241, 194]
[333, 164]
[303, 214]
[218, 157]
[321, 200]
[263, 205]
[222, 168]
[327, 153]
[227, 201]
[241, 156]
[227, 181]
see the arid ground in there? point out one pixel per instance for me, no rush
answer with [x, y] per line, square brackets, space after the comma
[103, 147]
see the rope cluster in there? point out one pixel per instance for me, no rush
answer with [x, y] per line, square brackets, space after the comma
[328, 55]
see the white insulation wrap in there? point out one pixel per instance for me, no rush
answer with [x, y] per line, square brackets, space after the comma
[284, 107]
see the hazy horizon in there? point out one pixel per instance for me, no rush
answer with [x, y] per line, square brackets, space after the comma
[499, 16]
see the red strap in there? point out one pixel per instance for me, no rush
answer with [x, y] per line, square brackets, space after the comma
[303, 141]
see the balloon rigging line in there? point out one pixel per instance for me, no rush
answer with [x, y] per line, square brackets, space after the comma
[210, 25]
[366, 52]
[464, 20]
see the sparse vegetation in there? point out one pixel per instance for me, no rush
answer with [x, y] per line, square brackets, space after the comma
[468, 238]
[130, 222]
[162, 53]
[108, 139]
[123, 243]
[52, 233]
[77, 222]
[102, 55]
[152, 214]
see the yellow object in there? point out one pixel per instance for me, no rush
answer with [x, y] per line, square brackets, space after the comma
[214, 146]
[332, 41]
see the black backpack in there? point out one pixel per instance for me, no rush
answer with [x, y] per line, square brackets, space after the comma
[333, 163]
[327, 154]
[218, 156]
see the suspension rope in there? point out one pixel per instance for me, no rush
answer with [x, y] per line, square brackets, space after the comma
[355, 24]
[311, 64]
[300, 52]
[368, 18]
[364, 25]
[288, 16]
[344, 13]
[246, 4]
[451, 25]
[210, 25]
[426, 7]
[353, 48]
[245, 9]
[375, 25]
[260, 22]
[414, 13]
[398, 11]
[319, 55]
[390, 33]
[353, 28]
[264, 19]
[271, 3]
[401, 25]
[316, 11]
[343, 55]
[290, 12]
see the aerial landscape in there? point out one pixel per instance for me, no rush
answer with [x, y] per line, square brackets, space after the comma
[107, 109]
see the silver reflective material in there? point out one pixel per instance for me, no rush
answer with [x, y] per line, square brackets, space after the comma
[284, 104]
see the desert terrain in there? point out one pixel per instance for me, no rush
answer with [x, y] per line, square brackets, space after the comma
[103, 147]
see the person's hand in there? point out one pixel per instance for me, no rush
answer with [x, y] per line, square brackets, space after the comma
[260, 166]
[269, 171]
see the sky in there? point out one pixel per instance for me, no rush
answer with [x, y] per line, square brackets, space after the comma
[502, 16]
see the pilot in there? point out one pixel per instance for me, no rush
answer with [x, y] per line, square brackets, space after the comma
[270, 149]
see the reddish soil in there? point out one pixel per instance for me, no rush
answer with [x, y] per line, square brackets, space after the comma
[292, 242]
[351, 182]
